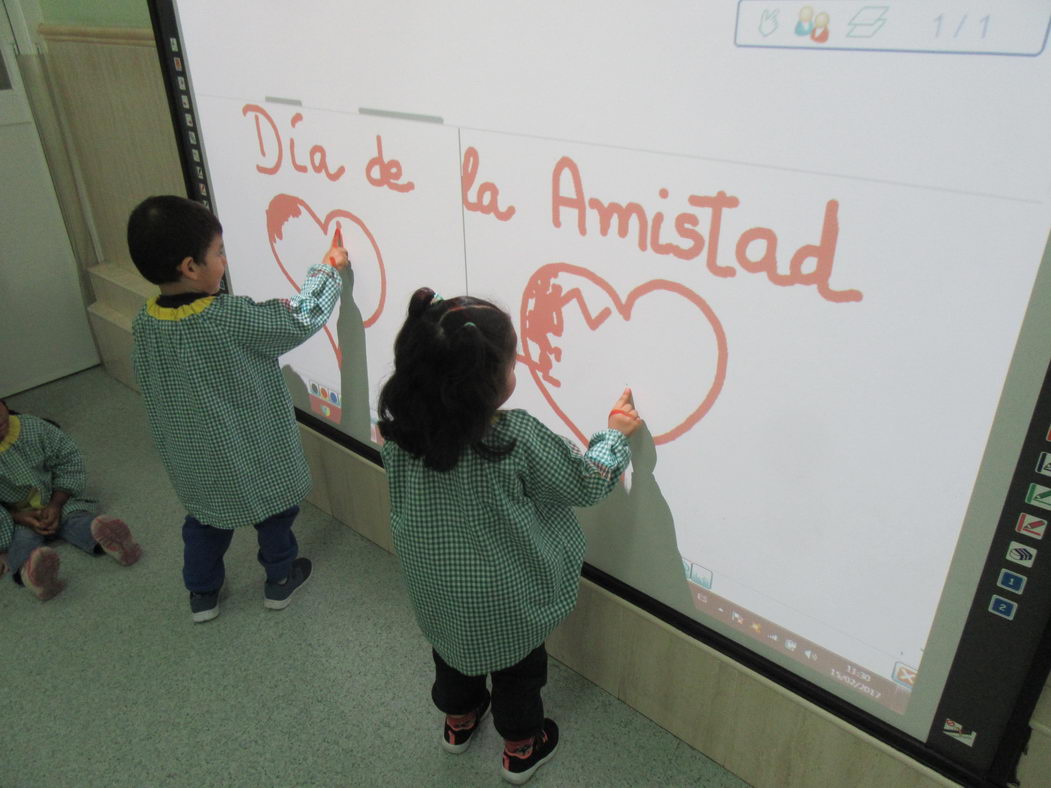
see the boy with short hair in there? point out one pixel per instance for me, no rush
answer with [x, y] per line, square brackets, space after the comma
[219, 411]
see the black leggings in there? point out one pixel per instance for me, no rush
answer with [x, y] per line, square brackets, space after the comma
[518, 711]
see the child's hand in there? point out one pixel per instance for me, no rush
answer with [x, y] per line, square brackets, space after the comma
[50, 518]
[337, 257]
[30, 518]
[624, 417]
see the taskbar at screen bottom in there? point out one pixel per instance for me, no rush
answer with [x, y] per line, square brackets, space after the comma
[892, 693]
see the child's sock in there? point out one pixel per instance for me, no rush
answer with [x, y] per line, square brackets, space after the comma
[459, 729]
[523, 748]
[460, 722]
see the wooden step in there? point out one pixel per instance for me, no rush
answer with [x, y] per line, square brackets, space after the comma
[120, 287]
[112, 330]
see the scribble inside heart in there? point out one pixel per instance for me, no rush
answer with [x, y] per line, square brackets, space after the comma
[370, 283]
[582, 343]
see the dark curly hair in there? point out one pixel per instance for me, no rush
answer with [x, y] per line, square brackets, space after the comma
[451, 361]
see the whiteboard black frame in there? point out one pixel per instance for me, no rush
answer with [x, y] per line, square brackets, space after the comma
[994, 766]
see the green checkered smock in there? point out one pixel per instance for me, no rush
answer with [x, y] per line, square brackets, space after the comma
[37, 458]
[219, 411]
[491, 550]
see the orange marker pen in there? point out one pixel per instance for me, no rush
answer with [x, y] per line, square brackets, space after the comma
[337, 240]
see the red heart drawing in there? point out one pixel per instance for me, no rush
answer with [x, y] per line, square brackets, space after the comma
[285, 208]
[697, 337]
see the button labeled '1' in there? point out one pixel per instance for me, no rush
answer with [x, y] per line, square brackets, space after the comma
[1012, 581]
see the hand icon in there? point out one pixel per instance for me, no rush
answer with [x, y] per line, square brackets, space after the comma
[768, 22]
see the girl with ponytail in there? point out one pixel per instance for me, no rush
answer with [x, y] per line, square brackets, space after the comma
[482, 520]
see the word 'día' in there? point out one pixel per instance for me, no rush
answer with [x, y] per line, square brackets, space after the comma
[273, 154]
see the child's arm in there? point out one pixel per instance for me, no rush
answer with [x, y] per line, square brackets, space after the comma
[63, 459]
[68, 476]
[7, 529]
[276, 326]
[558, 473]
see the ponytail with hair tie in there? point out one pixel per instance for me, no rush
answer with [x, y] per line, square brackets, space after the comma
[450, 378]
[421, 300]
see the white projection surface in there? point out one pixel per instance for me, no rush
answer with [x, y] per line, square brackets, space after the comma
[807, 242]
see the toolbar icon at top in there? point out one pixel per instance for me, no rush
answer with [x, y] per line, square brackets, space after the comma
[768, 23]
[977, 27]
[811, 25]
[867, 22]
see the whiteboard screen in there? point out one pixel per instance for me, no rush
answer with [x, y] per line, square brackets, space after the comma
[807, 236]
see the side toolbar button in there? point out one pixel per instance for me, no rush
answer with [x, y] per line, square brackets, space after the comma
[1004, 608]
[1012, 581]
[1028, 525]
[1021, 554]
[1043, 464]
[1038, 495]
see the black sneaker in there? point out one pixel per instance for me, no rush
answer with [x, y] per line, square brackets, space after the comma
[204, 606]
[456, 740]
[276, 596]
[519, 766]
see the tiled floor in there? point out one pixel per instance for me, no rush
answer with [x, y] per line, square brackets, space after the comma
[110, 684]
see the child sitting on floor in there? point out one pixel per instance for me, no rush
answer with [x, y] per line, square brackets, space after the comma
[41, 480]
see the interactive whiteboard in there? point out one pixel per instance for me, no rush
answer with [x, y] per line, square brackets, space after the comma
[806, 235]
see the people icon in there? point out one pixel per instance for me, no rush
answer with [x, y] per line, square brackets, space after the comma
[806, 21]
[819, 35]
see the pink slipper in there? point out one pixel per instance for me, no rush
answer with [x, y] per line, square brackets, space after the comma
[115, 538]
[40, 574]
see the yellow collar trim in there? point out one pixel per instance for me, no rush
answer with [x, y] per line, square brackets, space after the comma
[177, 312]
[14, 429]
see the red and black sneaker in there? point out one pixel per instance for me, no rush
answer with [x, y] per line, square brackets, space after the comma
[457, 736]
[520, 764]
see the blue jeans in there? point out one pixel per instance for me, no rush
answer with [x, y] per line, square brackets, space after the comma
[204, 547]
[75, 528]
